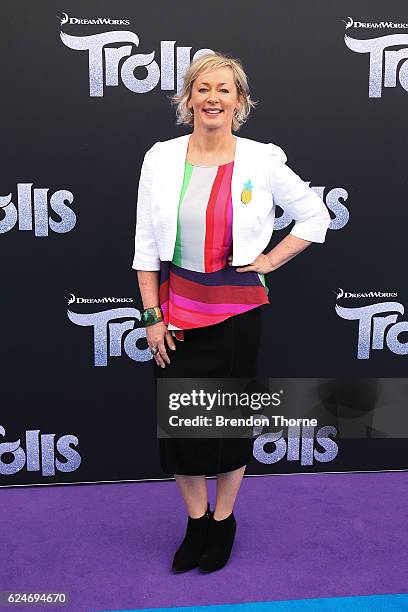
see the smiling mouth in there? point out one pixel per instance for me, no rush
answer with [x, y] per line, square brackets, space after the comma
[212, 112]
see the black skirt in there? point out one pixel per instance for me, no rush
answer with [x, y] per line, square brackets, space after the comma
[226, 349]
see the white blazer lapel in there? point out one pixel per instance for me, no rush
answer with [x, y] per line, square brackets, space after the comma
[237, 184]
[239, 167]
[170, 173]
[166, 190]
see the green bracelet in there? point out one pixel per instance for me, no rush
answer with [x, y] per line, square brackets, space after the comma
[150, 316]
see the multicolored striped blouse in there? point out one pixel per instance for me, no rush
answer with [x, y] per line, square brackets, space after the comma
[198, 287]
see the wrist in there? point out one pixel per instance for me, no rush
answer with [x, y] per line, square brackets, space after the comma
[152, 315]
[270, 261]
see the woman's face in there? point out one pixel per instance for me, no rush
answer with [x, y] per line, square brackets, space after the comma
[215, 90]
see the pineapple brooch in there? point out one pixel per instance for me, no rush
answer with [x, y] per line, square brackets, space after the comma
[246, 195]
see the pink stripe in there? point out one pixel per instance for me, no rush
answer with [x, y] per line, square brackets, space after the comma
[184, 302]
[218, 260]
[216, 249]
[165, 309]
[186, 319]
[219, 210]
[229, 218]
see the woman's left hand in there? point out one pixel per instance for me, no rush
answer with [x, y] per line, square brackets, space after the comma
[261, 264]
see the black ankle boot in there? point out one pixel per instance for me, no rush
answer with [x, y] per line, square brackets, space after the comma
[188, 554]
[219, 542]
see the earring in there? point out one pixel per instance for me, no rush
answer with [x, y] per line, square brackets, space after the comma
[190, 114]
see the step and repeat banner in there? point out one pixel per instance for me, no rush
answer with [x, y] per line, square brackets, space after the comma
[85, 89]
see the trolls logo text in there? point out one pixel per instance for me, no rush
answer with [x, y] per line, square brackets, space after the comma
[394, 60]
[104, 62]
[109, 336]
[272, 447]
[334, 202]
[374, 327]
[39, 454]
[35, 207]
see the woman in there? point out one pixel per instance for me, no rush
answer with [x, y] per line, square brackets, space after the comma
[205, 213]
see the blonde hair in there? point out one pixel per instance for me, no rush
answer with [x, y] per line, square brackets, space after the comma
[209, 61]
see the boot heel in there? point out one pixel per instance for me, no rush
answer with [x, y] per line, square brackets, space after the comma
[219, 543]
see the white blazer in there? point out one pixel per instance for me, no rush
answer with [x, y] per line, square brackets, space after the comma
[272, 182]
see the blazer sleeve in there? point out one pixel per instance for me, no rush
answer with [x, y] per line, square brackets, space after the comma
[146, 254]
[291, 193]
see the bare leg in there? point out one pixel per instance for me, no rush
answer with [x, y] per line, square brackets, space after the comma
[228, 485]
[194, 492]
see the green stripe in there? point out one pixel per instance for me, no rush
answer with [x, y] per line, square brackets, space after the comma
[262, 276]
[188, 170]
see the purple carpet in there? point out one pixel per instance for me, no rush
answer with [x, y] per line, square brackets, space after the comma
[298, 536]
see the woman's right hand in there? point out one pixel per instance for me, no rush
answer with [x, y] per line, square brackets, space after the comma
[155, 335]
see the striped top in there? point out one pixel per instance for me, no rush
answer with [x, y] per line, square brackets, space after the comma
[198, 287]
